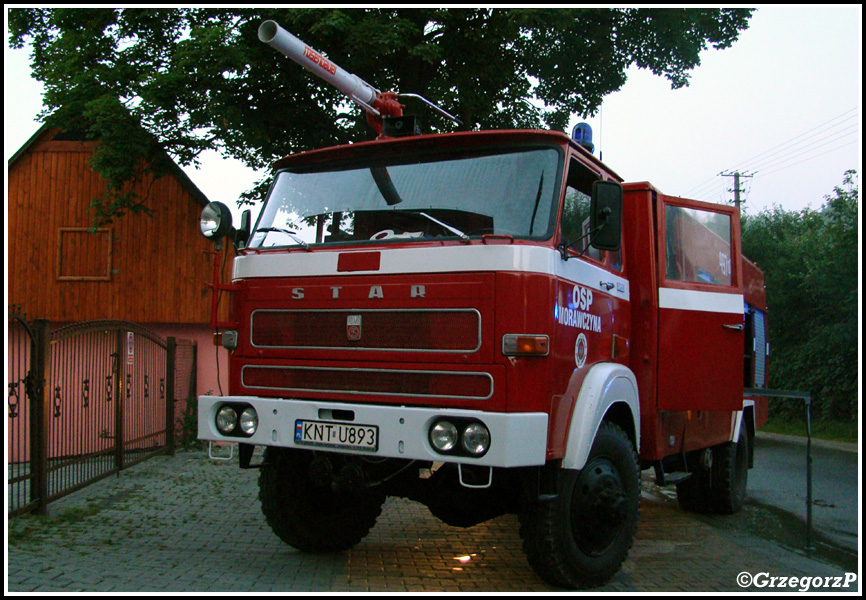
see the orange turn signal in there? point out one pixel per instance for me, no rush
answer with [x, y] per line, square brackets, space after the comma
[515, 344]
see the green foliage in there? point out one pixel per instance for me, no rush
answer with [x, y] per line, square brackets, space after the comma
[189, 425]
[809, 259]
[783, 422]
[198, 78]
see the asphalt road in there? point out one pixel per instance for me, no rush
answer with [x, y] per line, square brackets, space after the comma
[778, 480]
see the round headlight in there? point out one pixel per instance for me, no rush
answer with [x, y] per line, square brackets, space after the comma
[443, 436]
[216, 220]
[476, 439]
[249, 421]
[226, 420]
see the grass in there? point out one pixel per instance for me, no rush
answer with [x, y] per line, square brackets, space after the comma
[31, 529]
[836, 431]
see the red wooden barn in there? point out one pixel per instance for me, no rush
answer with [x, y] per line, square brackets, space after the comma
[152, 269]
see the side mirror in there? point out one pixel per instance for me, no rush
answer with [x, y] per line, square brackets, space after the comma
[242, 234]
[605, 216]
[216, 221]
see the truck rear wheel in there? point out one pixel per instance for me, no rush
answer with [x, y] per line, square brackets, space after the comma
[581, 538]
[730, 474]
[694, 494]
[722, 488]
[309, 516]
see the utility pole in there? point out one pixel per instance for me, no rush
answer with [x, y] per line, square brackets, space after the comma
[736, 175]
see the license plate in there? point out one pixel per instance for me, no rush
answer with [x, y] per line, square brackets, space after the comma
[337, 435]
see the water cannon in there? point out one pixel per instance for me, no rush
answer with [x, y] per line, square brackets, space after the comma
[375, 103]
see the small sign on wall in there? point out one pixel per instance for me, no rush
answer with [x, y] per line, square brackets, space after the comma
[130, 348]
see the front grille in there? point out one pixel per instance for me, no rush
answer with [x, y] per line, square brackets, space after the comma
[375, 382]
[451, 330]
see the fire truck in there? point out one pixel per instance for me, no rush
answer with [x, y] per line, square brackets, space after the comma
[489, 323]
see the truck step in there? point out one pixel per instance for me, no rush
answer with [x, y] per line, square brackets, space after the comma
[663, 478]
[676, 477]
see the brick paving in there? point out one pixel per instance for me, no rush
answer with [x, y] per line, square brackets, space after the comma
[189, 524]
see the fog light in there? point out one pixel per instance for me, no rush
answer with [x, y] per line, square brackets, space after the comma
[443, 436]
[476, 439]
[226, 420]
[249, 421]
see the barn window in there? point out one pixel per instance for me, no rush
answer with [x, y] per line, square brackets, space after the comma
[84, 255]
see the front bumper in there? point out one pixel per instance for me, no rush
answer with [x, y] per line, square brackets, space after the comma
[517, 439]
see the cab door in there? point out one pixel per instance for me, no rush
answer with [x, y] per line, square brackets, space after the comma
[701, 307]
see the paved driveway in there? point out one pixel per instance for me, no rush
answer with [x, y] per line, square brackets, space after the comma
[185, 523]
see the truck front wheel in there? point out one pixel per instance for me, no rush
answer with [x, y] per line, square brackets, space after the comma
[307, 515]
[580, 538]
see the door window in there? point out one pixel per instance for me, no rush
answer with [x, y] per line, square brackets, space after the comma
[575, 216]
[697, 246]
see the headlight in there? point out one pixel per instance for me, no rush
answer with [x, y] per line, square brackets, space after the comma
[249, 421]
[443, 436]
[226, 420]
[475, 439]
[216, 221]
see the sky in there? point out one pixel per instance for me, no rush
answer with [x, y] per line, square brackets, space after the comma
[782, 105]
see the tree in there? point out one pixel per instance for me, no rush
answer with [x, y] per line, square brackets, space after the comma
[180, 81]
[809, 259]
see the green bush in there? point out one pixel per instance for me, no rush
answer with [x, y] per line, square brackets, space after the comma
[809, 259]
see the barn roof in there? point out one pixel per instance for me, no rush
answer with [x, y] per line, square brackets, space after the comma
[174, 169]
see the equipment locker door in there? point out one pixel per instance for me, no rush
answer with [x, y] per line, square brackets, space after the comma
[701, 307]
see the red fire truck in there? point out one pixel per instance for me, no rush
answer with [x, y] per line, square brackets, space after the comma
[488, 323]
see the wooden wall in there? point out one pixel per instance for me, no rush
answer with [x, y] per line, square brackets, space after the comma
[145, 269]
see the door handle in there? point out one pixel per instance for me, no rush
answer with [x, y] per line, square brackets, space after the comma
[736, 327]
[606, 285]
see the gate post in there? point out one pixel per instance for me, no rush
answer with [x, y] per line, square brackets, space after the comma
[170, 354]
[39, 416]
[118, 395]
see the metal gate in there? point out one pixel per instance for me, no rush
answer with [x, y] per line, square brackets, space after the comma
[85, 401]
[23, 371]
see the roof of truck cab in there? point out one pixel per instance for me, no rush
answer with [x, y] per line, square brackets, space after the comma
[439, 141]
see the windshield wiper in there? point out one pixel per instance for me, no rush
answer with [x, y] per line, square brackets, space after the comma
[385, 185]
[291, 234]
[463, 237]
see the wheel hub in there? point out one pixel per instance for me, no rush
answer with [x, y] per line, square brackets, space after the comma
[599, 507]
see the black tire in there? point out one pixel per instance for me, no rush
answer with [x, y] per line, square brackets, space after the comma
[308, 517]
[694, 494]
[730, 474]
[581, 538]
[722, 488]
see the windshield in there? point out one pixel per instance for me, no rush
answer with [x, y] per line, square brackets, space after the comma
[511, 193]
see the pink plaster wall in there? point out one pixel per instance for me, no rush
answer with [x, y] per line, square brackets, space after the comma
[206, 372]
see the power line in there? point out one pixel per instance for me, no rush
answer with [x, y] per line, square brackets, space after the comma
[775, 158]
[716, 194]
[698, 189]
[809, 158]
[785, 143]
[778, 157]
